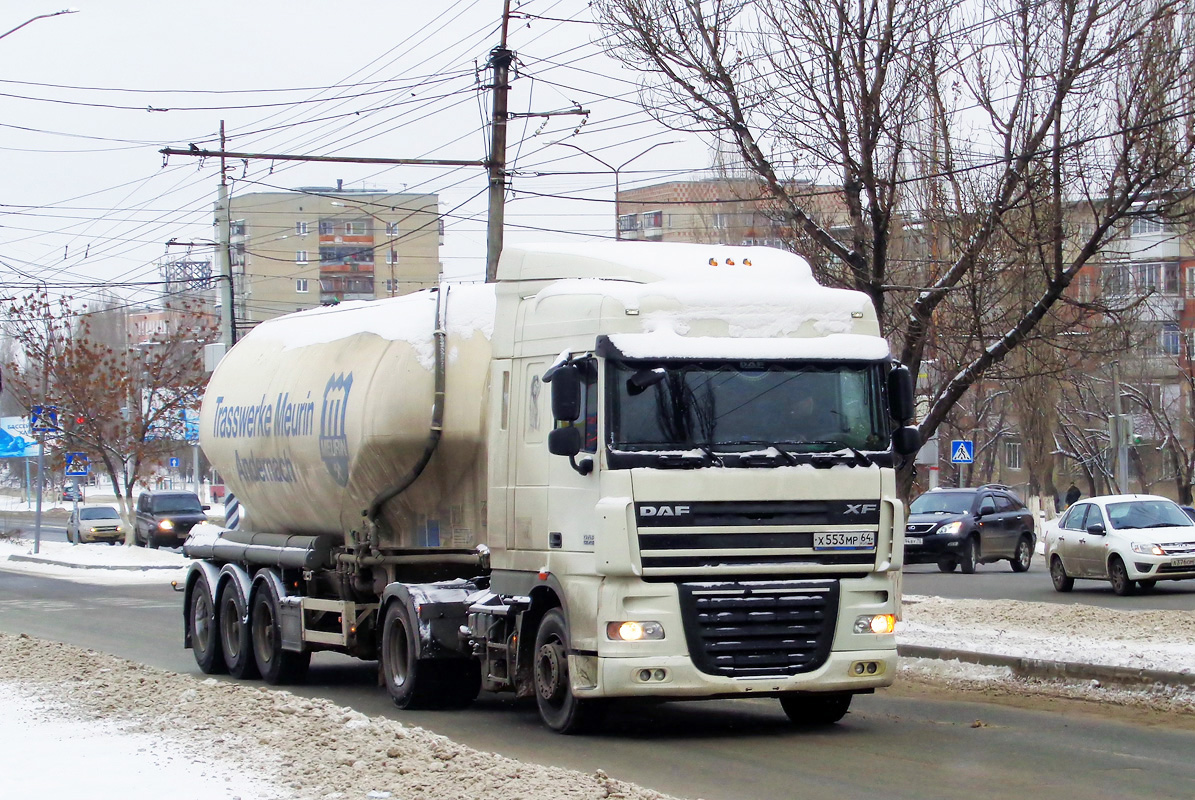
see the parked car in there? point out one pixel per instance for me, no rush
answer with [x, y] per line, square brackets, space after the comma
[70, 494]
[967, 527]
[1130, 540]
[95, 524]
[165, 518]
[1189, 511]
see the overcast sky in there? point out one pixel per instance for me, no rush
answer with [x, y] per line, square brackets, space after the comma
[84, 194]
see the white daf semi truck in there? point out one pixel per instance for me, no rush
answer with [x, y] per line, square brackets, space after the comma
[624, 470]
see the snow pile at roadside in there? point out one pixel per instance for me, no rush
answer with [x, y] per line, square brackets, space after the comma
[92, 563]
[1156, 640]
[310, 748]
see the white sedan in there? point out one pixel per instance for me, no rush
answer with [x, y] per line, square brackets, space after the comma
[1129, 539]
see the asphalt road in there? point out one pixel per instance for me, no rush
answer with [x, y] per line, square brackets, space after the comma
[997, 581]
[890, 746]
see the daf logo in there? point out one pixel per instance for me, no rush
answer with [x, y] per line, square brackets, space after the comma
[663, 511]
[860, 508]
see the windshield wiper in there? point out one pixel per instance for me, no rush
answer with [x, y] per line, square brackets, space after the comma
[762, 459]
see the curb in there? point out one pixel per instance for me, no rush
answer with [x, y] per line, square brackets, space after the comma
[126, 567]
[1054, 670]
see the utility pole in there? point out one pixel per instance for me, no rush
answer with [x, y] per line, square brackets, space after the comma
[500, 61]
[223, 255]
[1118, 435]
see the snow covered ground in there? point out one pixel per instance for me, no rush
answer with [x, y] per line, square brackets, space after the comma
[140, 733]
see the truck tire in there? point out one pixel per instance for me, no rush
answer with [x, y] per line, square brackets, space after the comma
[235, 638]
[277, 666]
[559, 708]
[201, 625]
[410, 681]
[815, 709]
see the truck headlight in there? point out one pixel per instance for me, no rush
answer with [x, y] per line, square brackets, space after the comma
[632, 631]
[951, 528]
[165, 525]
[875, 623]
[1148, 548]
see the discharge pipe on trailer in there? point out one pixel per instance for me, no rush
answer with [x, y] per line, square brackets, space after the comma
[437, 424]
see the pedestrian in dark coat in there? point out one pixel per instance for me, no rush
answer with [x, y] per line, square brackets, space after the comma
[1073, 494]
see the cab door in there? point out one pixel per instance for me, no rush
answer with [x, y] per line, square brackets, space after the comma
[573, 492]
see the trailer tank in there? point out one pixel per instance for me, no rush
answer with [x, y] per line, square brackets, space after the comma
[314, 417]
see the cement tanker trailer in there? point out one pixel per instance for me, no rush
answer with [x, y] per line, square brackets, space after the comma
[625, 470]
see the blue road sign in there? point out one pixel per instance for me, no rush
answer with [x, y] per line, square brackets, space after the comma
[77, 465]
[174, 462]
[962, 451]
[43, 419]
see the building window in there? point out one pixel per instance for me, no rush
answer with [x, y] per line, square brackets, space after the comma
[653, 219]
[1190, 281]
[1145, 225]
[391, 256]
[236, 227]
[300, 256]
[628, 222]
[1012, 455]
[356, 227]
[301, 285]
[300, 228]
[238, 255]
[391, 285]
[392, 229]
[1084, 288]
[326, 227]
[1142, 278]
[1172, 339]
[722, 221]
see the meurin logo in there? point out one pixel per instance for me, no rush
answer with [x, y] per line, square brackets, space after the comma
[333, 443]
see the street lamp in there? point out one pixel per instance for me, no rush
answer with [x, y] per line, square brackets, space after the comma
[40, 16]
[616, 171]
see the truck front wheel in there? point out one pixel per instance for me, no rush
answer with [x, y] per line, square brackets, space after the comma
[559, 708]
[408, 679]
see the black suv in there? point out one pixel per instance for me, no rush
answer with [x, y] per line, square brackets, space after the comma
[165, 518]
[967, 527]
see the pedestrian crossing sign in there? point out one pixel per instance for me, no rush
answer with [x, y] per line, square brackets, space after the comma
[77, 465]
[962, 451]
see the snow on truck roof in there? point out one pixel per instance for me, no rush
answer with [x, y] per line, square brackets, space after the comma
[647, 262]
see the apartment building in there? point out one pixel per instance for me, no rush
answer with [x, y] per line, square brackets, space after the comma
[323, 245]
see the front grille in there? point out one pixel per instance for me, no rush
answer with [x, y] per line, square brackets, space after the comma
[1179, 548]
[759, 628]
[920, 527]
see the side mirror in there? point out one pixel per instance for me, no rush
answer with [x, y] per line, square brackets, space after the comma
[565, 441]
[566, 392]
[1096, 529]
[900, 394]
[906, 440]
[207, 508]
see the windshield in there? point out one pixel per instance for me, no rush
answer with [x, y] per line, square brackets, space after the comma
[1147, 514]
[177, 503]
[747, 406]
[98, 513]
[942, 503]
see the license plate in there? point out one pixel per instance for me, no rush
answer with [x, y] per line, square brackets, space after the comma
[1182, 562]
[844, 540]
[912, 540]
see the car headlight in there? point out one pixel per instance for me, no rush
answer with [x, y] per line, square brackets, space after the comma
[951, 528]
[632, 631]
[1148, 549]
[165, 525]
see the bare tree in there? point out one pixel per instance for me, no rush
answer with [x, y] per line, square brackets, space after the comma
[991, 126]
[122, 405]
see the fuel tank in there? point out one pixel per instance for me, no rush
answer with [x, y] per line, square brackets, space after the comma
[313, 415]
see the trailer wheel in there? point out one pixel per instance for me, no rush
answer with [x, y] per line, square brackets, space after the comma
[277, 666]
[559, 708]
[201, 626]
[235, 638]
[410, 681]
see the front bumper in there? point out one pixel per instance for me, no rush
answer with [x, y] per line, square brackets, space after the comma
[1143, 567]
[101, 536]
[677, 677]
[932, 547]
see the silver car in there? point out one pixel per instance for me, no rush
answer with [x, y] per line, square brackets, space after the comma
[1129, 540]
[95, 524]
